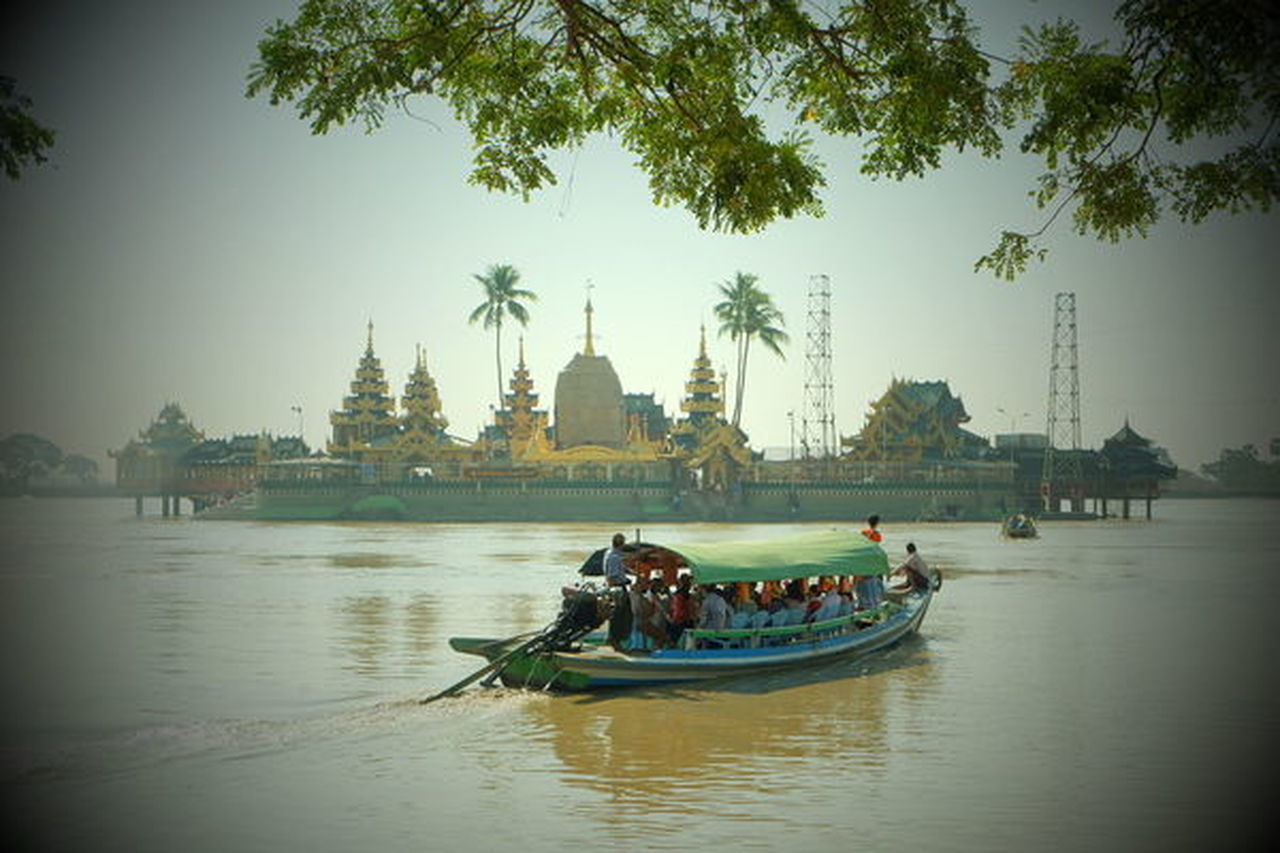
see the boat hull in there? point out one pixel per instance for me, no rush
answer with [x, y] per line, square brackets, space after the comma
[596, 665]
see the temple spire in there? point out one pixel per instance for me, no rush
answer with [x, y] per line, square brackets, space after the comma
[590, 349]
[368, 345]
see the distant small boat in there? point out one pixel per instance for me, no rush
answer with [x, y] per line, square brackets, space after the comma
[573, 655]
[1019, 527]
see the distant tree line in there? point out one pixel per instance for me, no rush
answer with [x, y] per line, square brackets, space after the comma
[1240, 470]
[25, 458]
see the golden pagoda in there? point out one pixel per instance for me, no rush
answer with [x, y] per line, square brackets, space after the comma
[708, 444]
[588, 403]
[367, 419]
[521, 419]
[593, 439]
[703, 402]
[422, 439]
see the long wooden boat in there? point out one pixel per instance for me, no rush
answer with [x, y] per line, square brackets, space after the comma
[589, 662]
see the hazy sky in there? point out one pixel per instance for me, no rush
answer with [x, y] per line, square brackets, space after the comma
[186, 243]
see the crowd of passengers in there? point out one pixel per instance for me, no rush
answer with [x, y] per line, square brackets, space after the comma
[660, 613]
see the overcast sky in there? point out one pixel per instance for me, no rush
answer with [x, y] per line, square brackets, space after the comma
[186, 243]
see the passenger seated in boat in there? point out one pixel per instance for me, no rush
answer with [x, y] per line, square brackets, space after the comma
[869, 590]
[813, 603]
[792, 613]
[746, 599]
[715, 614]
[829, 606]
[646, 615]
[846, 604]
[680, 608]
[914, 570]
[658, 613]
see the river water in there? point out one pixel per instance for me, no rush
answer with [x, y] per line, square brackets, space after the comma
[174, 684]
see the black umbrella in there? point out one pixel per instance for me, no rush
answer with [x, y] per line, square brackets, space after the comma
[594, 565]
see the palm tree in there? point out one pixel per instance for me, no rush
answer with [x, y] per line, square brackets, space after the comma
[501, 297]
[748, 312]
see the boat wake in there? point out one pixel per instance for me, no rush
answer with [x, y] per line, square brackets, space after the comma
[73, 758]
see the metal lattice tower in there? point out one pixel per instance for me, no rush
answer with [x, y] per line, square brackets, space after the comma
[818, 426]
[1062, 471]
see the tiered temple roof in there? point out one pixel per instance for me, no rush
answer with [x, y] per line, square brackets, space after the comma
[153, 457]
[521, 418]
[171, 432]
[1128, 455]
[421, 401]
[703, 403]
[368, 414]
[914, 421]
[704, 440]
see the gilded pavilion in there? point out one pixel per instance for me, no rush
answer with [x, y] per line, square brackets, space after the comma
[913, 422]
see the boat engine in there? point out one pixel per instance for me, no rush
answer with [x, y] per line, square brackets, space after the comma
[581, 613]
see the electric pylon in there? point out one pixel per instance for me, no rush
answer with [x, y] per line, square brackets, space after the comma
[818, 428]
[1062, 472]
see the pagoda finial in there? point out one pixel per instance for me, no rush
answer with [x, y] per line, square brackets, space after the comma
[702, 342]
[521, 363]
[590, 348]
[369, 341]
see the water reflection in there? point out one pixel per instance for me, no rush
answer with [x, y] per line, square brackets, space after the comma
[375, 627]
[704, 747]
[421, 616]
[364, 560]
[366, 638]
[524, 611]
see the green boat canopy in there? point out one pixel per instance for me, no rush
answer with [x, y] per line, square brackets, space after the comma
[831, 552]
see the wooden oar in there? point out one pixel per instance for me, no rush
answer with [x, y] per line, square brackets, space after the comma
[484, 670]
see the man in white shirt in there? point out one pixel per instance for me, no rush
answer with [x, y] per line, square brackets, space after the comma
[615, 576]
[715, 613]
[615, 572]
[915, 571]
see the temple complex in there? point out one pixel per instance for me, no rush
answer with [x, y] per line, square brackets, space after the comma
[605, 454]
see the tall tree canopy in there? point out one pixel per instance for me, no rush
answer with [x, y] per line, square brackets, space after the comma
[719, 98]
[501, 298]
[747, 313]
